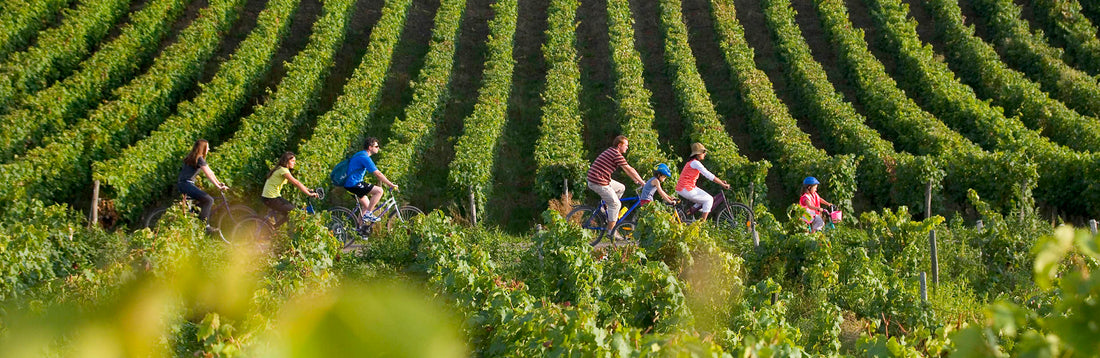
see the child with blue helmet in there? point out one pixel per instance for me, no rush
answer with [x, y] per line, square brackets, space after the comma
[812, 203]
[653, 185]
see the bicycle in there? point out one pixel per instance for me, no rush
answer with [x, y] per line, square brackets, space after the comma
[734, 215]
[348, 225]
[221, 216]
[259, 228]
[830, 216]
[595, 218]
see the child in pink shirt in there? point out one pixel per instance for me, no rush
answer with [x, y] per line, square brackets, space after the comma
[812, 203]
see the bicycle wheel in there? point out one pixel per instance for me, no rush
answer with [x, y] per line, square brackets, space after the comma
[589, 219]
[154, 217]
[252, 229]
[344, 225]
[738, 218]
[402, 214]
[221, 219]
[625, 230]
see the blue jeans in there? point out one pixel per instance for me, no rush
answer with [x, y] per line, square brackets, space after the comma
[205, 201]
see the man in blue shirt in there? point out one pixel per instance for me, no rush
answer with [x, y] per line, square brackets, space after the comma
[359, 165]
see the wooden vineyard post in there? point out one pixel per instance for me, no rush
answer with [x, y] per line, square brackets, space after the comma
[980, 225]
[93, 214]
[923, 287]
[473, 207]
[935, 259]
[566, 186]
[928, 200]
[752, 225]
[1092, 226]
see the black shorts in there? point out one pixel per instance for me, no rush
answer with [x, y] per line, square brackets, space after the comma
[361, 189]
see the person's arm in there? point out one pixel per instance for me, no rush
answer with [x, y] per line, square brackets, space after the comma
[707, 174]
[213, 179]
[382, 178]
[661, 191]
[302, 187]
[633, 174]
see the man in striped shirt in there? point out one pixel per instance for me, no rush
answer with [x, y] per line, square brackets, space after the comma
[599, 178]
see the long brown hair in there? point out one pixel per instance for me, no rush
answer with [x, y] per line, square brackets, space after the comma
[284, 161]
[198, 150]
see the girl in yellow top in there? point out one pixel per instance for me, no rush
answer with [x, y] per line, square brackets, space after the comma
[273, 187]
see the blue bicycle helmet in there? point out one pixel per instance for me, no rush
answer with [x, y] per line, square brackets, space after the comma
[663, 170]
[810, 181]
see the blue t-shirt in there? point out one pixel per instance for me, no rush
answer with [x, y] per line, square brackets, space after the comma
[359, 165]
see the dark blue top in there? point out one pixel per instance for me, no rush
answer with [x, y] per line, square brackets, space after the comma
[187, 172]
[359, 165]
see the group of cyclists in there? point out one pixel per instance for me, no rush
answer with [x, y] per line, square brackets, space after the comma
[611, 159]
[359, 165]
[598, 179]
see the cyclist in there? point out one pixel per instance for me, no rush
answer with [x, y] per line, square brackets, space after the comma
[359, 165]
[812, 203]
[653, 185]
[690, 174]
[599, 178]
[195, 161]
[273, 187]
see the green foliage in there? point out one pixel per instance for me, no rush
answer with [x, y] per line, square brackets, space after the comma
[771, 123]
[58, 50]
[636, 114]
[979, 66]
[265, 134]
[559, 153]
[52, 109]
[912, 129]
[139, 173]
[1064, 171]
[60, 169]
[343, 128]
[415, 132]
[696, 107]
[476, 149]
[1029, 53]
[1068, 27]
[21, 20]
[49, 244]
[885, 176]
[1068, 329]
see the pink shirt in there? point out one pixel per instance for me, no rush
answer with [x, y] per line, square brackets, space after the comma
[810, 199]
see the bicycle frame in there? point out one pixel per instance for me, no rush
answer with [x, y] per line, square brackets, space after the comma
[380, 209]
[637, 203]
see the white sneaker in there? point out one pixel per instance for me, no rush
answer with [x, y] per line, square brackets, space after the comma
[371, 218]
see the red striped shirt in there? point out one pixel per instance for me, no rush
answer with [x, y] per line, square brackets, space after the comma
[606, 163]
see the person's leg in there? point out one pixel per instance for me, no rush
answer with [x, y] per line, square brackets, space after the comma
[707, 202]
[204, 200]
[375, 196]
[281, 206]
[360, 193]
[610, 201]
[701, 199]
[817, 224]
